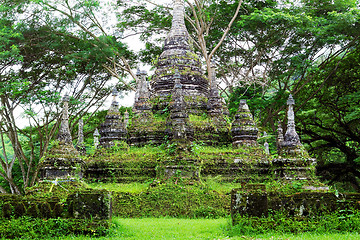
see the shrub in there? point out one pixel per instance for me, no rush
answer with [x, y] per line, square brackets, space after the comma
[34, 228]
[341, 221]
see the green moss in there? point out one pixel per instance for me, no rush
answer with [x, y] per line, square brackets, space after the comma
[59, 189]
[37, 228]
[168, 199]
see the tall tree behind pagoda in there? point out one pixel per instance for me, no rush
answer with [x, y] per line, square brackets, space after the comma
[330, 121]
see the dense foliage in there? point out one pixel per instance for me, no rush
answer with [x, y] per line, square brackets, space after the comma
[330, 119]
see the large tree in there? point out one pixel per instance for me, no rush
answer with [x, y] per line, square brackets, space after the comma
[330, 120]
[39, 63]
[94, 22]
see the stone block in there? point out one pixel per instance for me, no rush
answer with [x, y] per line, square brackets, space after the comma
[251, 201]
[95, 205]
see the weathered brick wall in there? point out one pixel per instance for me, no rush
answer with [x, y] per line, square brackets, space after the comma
[96, 205]
[257, 202]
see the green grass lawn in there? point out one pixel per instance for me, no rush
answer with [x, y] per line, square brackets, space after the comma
[173, 228]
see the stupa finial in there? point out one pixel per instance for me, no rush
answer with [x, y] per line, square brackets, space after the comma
[64, 135]
[178, 21]
[291, 142]
[114, 93]
[96, 138]
[80, 144]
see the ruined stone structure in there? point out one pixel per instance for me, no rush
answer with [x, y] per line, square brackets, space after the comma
[80, 146]
[290, 144]
[182, 109]
[63, 160]
[244, 131]
[113, 129]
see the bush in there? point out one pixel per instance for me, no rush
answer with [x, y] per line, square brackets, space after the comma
[173, 200]
[341, 221]
[27, 227]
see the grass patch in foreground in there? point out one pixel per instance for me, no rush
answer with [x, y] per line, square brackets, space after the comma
[173, 228]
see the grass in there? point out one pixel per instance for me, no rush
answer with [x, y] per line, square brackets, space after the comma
[134, 187]
[137, 187]
[173, 228]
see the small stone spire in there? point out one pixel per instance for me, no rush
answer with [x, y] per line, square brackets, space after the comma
[126, 119]
[291, 137]
[291, 144]
[213, 74]
[80, 144]
[214, 104]
[81, 132]
[96, 138]
[280, 137]
[144, 87]
[112, 129]
[63, 160]
[142, 100]
[64, 135]
[114, 94]
[138, 80]
[244, 130]
[114, 107]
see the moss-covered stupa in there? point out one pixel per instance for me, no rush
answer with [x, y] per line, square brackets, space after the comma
[178, 55]
[62, 161]
[178, 108]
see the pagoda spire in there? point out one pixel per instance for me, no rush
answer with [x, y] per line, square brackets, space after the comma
[80, 144]
[178, 54]
[64, 135]
[291, 138]
[178, 37]
[291, 144]
[178, 21]
[114, 107]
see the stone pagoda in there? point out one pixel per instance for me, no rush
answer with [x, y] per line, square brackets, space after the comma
[178, 55]
[295, 162]
[63, 160]
[181, 108]
[244, 130]
[113, 129]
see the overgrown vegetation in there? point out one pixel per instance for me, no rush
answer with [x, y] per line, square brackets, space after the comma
[175, 200]
[37, 228]
[186, 229]
[278, 223]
